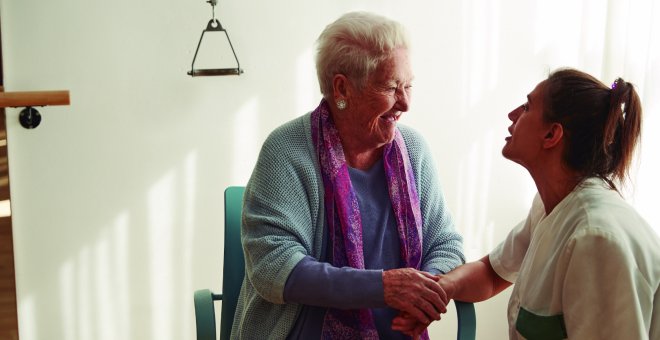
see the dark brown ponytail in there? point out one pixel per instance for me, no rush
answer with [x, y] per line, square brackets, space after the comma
[602, 124]
[622, 127]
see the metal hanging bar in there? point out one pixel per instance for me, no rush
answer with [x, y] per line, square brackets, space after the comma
[215, 26]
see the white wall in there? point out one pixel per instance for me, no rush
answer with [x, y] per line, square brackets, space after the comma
[117, 198]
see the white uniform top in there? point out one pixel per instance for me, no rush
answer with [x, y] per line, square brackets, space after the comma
[588, 270]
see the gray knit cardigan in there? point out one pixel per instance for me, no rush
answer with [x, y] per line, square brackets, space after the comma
[284, 220]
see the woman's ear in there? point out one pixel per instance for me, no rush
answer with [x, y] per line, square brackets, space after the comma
[339, 87]
[553, 136]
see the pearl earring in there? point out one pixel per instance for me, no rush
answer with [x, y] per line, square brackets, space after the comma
[341, 104]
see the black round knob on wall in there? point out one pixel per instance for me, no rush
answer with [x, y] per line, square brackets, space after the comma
[29, 117]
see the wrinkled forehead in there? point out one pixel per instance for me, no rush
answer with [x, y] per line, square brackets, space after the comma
[396, 66]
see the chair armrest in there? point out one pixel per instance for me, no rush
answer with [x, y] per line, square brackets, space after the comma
[205, 314]
[467, 320]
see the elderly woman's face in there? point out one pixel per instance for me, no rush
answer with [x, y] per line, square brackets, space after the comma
[378, 106]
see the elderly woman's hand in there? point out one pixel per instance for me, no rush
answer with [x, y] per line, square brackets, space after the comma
[416, 293]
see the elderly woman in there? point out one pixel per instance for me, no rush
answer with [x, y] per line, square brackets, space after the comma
[343, 220]
[585, 264]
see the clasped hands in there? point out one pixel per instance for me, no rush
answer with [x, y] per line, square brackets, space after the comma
[419, 296]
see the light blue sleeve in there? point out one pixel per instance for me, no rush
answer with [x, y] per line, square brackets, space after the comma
[281, 211]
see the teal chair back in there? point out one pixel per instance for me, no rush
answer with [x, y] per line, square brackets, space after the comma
[234, 266]
[232, 274]
[467, 321]
[232, 278]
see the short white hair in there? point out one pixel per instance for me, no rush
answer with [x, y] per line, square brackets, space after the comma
[354, 45]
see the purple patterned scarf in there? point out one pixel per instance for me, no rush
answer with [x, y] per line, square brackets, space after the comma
[345, 223]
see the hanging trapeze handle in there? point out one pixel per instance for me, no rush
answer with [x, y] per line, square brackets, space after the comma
[215, 26]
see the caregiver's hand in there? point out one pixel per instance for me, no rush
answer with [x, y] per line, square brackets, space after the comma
[414, 292]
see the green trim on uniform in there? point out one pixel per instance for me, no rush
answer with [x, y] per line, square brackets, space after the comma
[539, 327]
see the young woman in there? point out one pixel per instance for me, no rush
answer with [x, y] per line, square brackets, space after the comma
[584, 263]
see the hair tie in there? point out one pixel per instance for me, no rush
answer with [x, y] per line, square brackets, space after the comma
[615, 83]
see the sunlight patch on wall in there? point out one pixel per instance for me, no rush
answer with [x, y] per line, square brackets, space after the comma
[111, 281]
[478, 218]
[68, 299]
[646, 172]
[639, 43]
[546, 25]
[592, 43]
[642, 68]
[559, 27]
[120, 275]
[27, 316]
[188, 203]
[85, 306]
[307, 88]
[475, 174]
[246, 143]
[616, 33]
[95, 283]
[481, 50]
[103, 293]
[160, 205]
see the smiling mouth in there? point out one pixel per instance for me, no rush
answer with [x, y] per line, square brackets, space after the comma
[391, 117]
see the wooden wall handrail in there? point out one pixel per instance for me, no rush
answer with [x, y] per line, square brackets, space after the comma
[34, 98]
